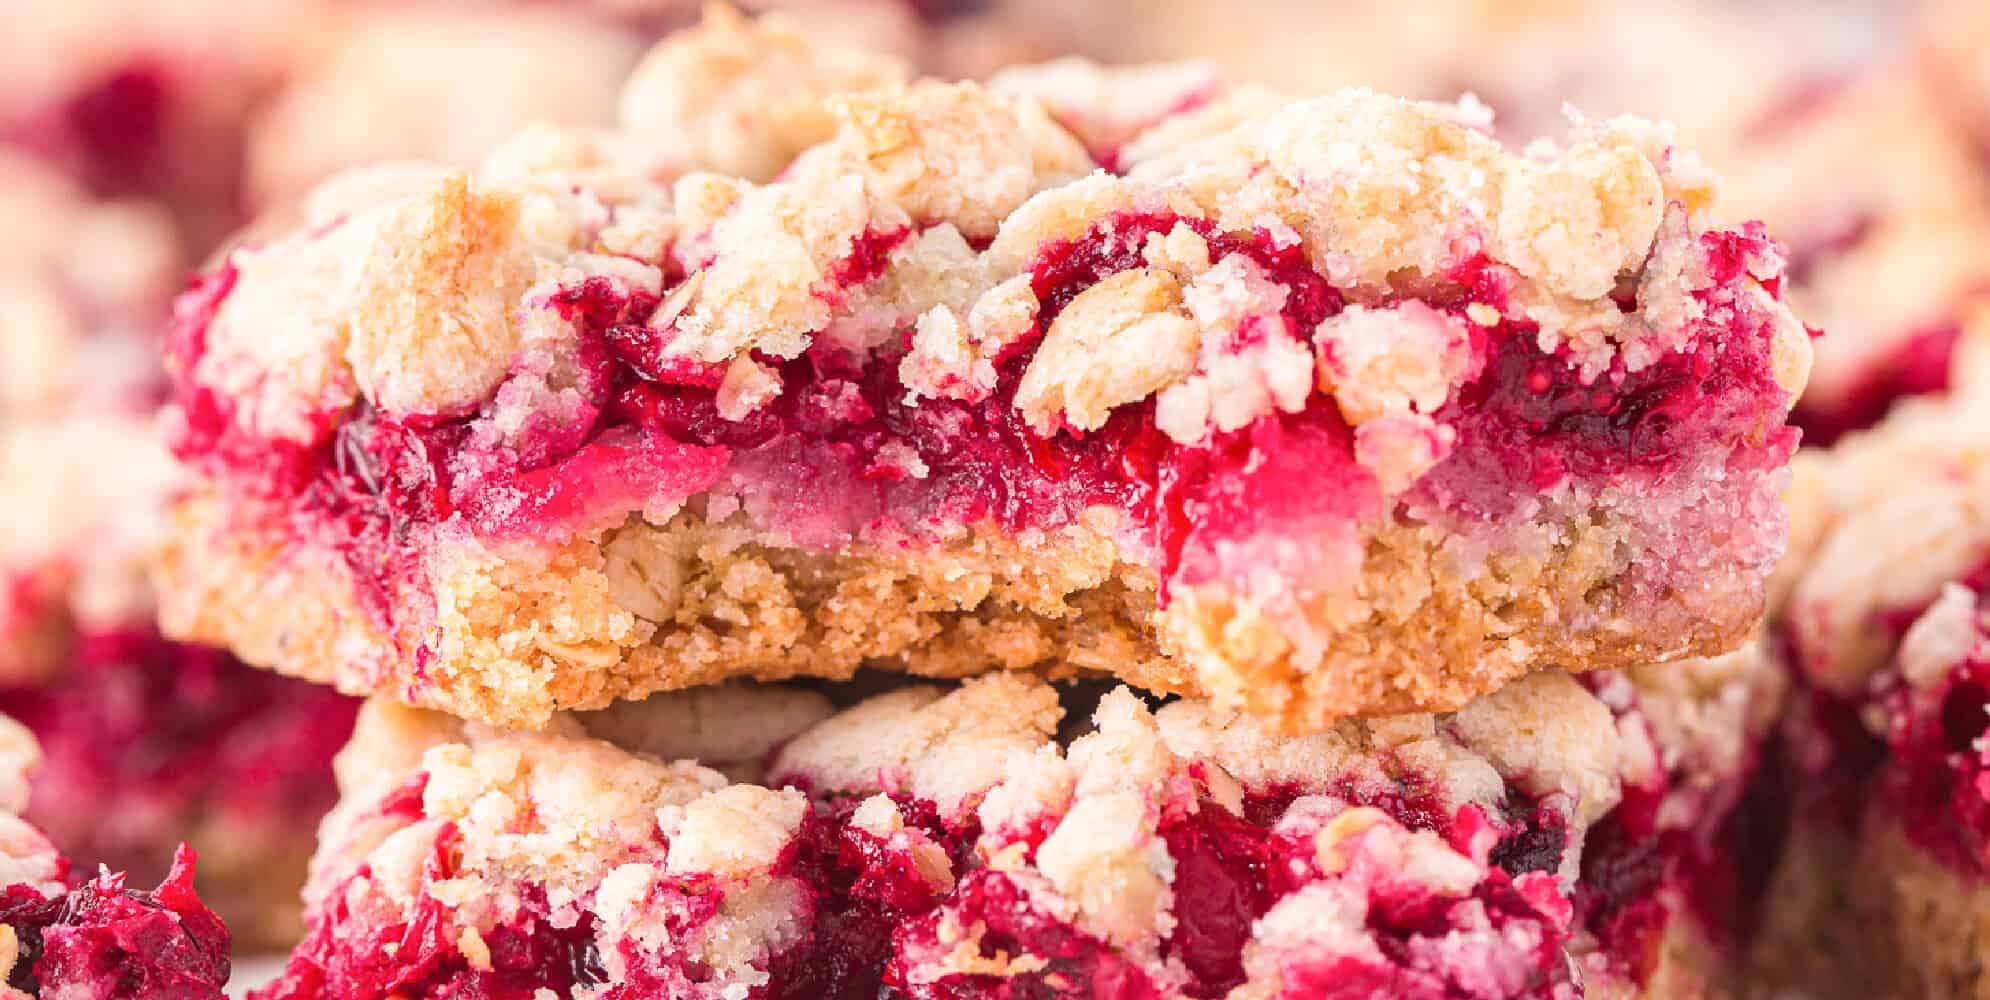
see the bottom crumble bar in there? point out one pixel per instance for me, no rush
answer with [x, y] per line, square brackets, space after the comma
[1559, 838]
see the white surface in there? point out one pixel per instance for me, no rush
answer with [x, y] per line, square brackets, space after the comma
[252, 971]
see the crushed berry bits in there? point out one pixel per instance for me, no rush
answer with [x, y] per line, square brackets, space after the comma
[102, 941]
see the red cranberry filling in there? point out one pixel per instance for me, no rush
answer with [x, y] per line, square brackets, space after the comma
[652, 428]
[120, 125]
[179, 732]
[1076, 963]
[1536, 845]
[111, 133]
[102, 941]
[1718, 863]
[1626, 860]
[1221, 875]
[345, 957]
[864, 893]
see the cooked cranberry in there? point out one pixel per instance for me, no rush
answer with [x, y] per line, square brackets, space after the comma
[1076, 963]
[1536, 846]
[1220, 877]
[870, 254]
[865, 891]
[119, 123]
[102, 941]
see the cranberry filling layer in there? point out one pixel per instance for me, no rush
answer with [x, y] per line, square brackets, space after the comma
[865, 891]
[1679, 841]
[101, 941]
[842, 449]
[166, 735]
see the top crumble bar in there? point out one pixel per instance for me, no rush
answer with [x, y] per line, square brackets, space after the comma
[1323, 408]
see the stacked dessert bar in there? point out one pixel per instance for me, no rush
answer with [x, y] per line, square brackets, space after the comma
[788, 526]
[1327, 546]
[145, 742]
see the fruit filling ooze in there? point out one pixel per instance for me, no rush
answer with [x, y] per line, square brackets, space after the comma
[175, 735]
[875, 923]
[842, 449]
[102, 940]
[1929, 769]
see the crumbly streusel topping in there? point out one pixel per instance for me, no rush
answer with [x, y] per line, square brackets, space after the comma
[1544, 732]
[568, 824]
[743, 97]
[423, 305]
[952, 801]
[1106, 107]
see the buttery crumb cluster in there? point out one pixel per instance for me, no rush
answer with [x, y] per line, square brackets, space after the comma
[1320, 408]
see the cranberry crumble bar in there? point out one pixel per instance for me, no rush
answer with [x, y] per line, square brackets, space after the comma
[146, 742]
[1557, 836]
[1888, 637]
[94, 939]
[1340, 409]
